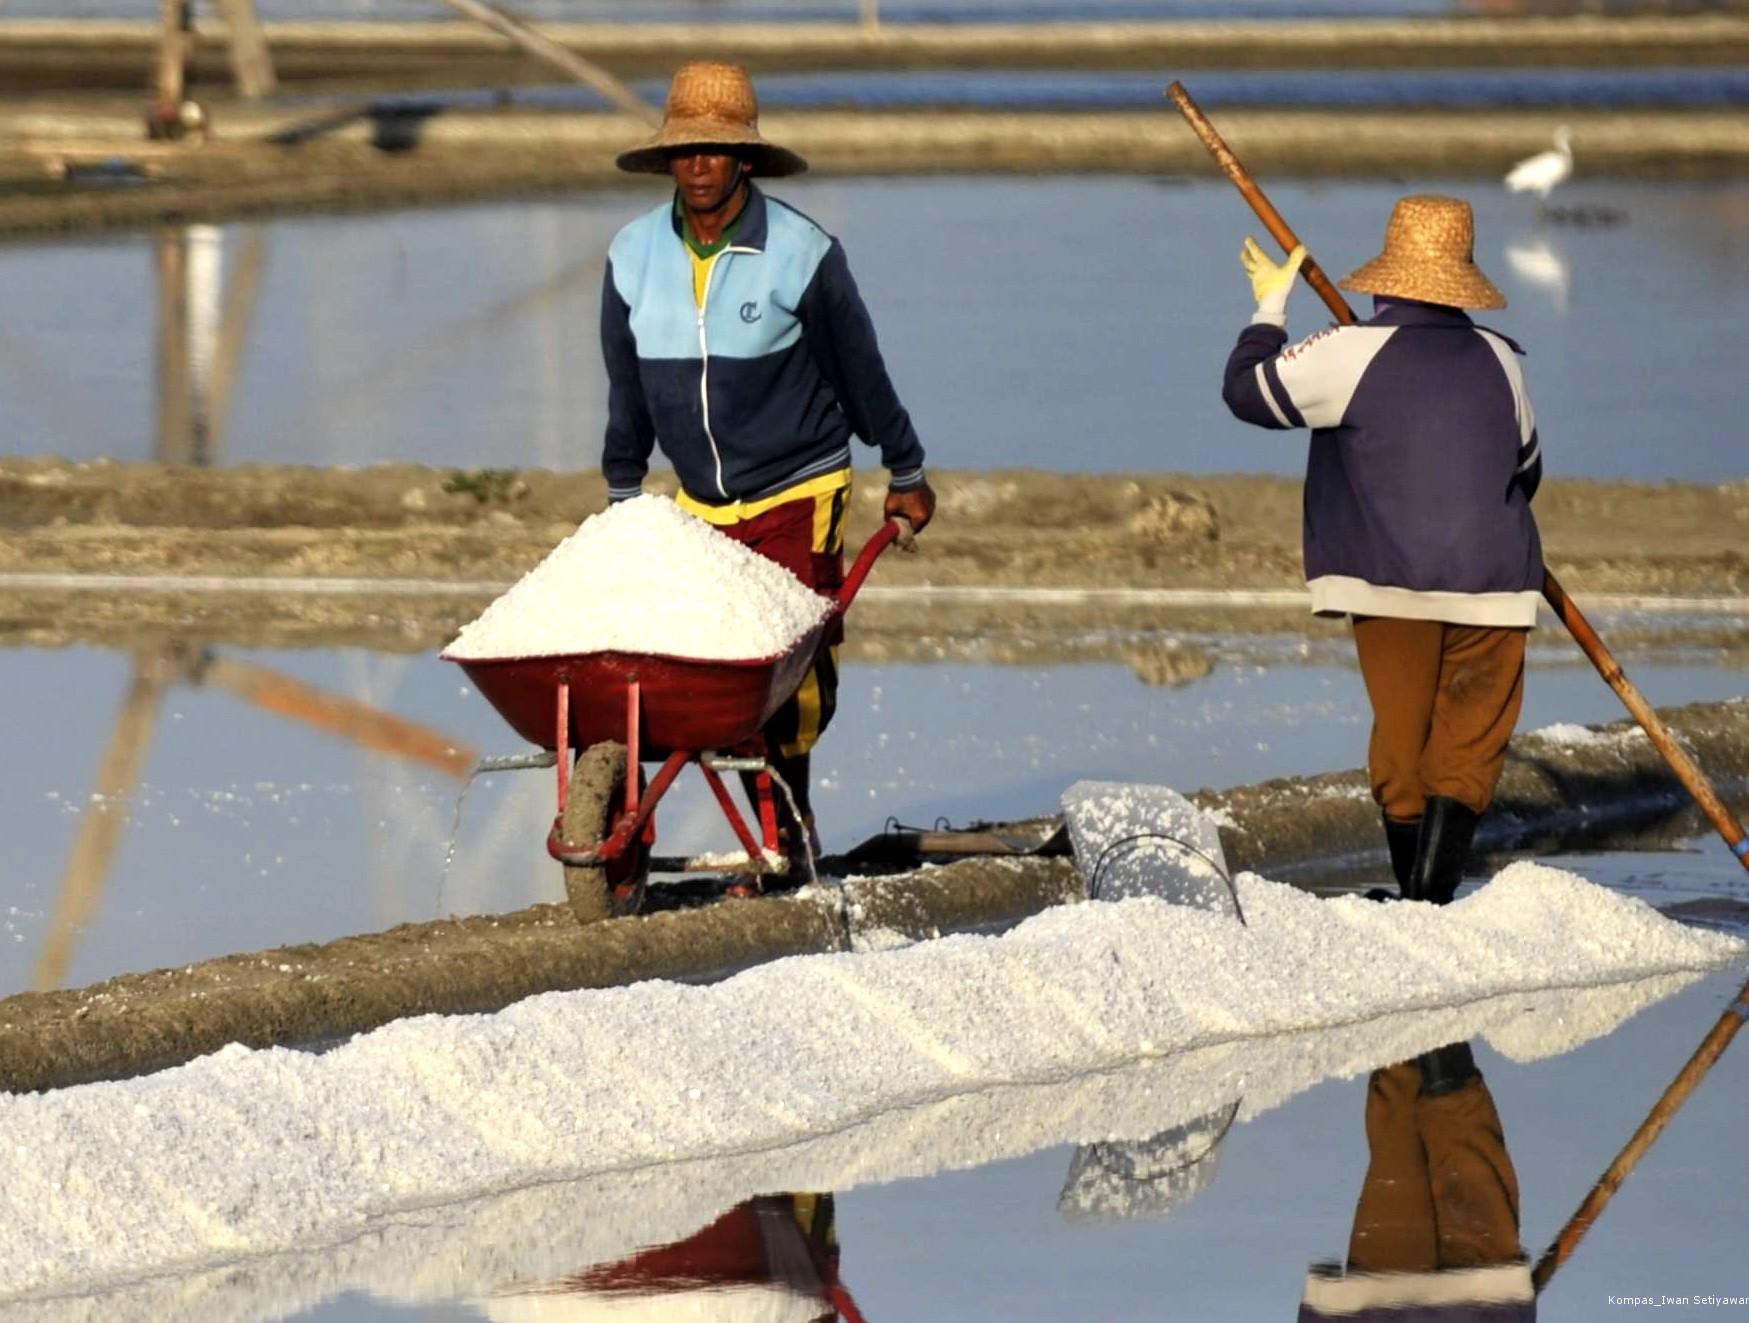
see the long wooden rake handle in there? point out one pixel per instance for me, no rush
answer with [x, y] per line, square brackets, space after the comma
[1687, 771]
[1712, 1047]
[1693, 779]
[1272, 219]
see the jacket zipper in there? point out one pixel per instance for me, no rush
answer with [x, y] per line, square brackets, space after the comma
[704, 371]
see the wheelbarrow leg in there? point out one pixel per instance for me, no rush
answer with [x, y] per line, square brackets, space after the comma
[737, 824]
[798, 836]
[562, 740]
[767, 807]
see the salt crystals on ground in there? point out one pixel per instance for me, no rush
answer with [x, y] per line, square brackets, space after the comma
[252, 1152]
[1568, 735]
[644, 576]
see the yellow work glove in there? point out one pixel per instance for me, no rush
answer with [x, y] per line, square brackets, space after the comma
[1270, 282]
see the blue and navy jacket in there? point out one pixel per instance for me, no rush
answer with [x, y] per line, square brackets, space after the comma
[763, 386]
[1423, 462]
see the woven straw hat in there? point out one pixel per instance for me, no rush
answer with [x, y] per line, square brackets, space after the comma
[1429, 255]
[711, 105]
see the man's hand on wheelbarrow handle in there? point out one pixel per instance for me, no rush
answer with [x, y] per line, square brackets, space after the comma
[915, 505]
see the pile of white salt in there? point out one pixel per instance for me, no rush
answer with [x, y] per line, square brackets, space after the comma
[254, 1152]
[645, 576]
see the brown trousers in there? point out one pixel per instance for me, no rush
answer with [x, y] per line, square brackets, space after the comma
[1440, 1189]
[1445, 699]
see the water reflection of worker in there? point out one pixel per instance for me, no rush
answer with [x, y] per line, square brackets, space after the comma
[1435, 1236]
[1423, 463]
[735, 338]
[772, 1259]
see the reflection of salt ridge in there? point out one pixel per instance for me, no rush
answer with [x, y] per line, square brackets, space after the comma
[461, 1250]
[1548, 1030]
[251, 1152]
[706, 1304]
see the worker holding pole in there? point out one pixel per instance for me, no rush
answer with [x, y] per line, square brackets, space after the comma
[736, 339]
[1424, 459]
[1682, 766]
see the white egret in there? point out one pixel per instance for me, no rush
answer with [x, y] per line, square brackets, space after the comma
[1540, 173]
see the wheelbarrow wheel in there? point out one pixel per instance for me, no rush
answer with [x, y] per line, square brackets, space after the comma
[615, 887]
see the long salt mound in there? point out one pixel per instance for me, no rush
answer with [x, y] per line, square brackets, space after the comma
[644, 576]
[560, 1229]
[253, 1152]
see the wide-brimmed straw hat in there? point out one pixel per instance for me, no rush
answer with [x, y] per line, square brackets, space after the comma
[1429, 255]
[711, 104]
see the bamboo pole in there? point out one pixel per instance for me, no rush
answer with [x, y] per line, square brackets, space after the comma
[242, 292]
[1566, 610]
[118, 774]
[203, 253]
[1712, 1047]
[170, 71]
[246, 40]
[175, 405]
[1272, 219]
[1687, 771]
[358, 723]
[543, 47]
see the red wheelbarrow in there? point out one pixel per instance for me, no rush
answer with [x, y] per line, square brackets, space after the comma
[622, 709]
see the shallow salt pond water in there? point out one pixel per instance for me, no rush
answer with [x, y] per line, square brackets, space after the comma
[248, 830]
[467, 336]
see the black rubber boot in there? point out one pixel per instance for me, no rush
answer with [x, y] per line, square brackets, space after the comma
[1447, 829]
[1446, 1069]
[1402, 839]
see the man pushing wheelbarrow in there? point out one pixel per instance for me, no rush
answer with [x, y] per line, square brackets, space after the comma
[735, 339]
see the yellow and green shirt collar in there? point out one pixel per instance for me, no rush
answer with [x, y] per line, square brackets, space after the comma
[704, 251]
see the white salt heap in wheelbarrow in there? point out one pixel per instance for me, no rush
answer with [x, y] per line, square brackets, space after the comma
[645, 576]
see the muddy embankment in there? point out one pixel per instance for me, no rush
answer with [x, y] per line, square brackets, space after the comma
[372, 157]
[45, 56]
[1019, 566]
[69, 107]
[1600, 788]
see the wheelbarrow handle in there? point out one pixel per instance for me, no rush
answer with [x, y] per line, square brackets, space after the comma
[896, 529]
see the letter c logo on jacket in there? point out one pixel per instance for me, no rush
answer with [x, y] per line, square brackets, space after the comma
[750, 313]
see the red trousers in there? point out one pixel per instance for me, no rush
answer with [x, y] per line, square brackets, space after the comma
[806, 537]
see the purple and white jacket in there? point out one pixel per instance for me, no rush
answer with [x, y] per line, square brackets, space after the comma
[1423, 462]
